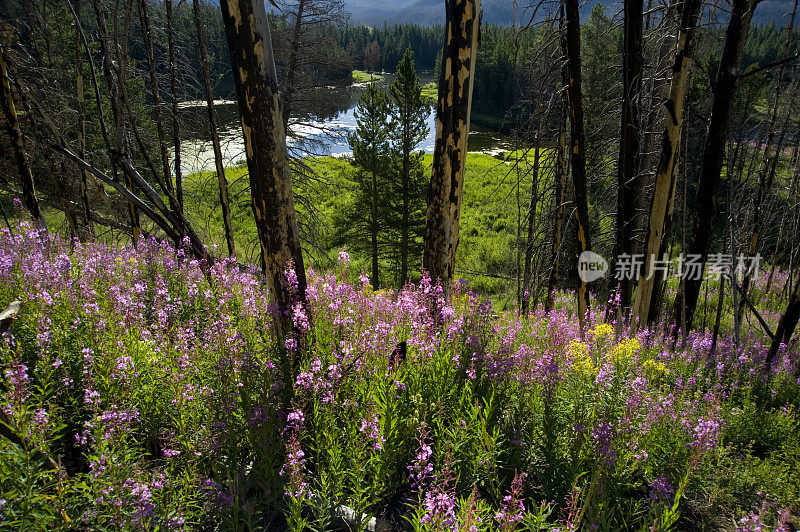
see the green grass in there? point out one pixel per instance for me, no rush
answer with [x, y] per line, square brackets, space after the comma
[430, 90]
[487, 245]
[359, 76]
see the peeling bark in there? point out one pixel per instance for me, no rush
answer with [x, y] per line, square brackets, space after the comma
[253, 64]
[452, 134]
[663, 195]
[714, 150]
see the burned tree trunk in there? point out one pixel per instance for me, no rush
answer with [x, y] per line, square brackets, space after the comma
[253, 64]
[629, 180]
[572, 42]
[120, 148]
[212, 124]
[666, 170]
[81, 109]
[786, 326]
[560, 181]
[291, 71]
[173, 84]
[766, 173]
[714, 151]
[527, 274]
[162, 143]
[18, 145]
[452, 132]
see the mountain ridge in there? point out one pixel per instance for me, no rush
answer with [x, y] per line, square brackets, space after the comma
[430, 12]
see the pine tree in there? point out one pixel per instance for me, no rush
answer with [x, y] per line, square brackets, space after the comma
[363, 222]
[410, 110]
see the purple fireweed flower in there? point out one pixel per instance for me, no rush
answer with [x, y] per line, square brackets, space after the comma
[705, 435]
[421, 469]
[372, 431]
[512, 509]
[661, 490]
[293, 468]
[344, 258]
[603, 435]
[17, 377]
[440, 509]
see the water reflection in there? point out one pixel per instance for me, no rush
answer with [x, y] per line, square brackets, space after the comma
[323, 131]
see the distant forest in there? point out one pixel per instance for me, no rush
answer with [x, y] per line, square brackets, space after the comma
[503, 77]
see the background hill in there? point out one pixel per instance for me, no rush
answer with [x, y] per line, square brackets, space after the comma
[429, 12]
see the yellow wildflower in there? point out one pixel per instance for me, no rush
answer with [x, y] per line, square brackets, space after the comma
[655, 370]
[625, 350]
[602, 331]
[582, 361]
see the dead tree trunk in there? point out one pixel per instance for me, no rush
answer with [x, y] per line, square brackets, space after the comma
[119, 149]
[560, 181]
[572, 42]
[629, 180]
[291, 71]
[526, 284]
[253, 64]
[714, 151]
[18, 145]
[212, 124]
[765, 173]
[786, 326]
[162, 142]
[173, 84]
[81, 109]
[665, 172]
[452, 134]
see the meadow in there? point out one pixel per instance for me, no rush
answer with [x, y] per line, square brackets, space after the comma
[488, 223]
[141, 390]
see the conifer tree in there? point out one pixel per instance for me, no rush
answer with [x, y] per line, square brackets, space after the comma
[363, 222]
[410, 110]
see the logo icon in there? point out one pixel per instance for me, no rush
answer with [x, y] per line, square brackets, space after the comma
[591, 266]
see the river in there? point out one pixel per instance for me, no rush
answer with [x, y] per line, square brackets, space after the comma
[323, 133]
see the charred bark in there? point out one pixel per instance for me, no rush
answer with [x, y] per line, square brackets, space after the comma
[173, 85]
[120, 147]
[18, 145]
[249, 40]
[766, 172]
[81, 111]
[560, 180]
[212, 124]
[452, 133]
[629, 180]
[572, 42]
[291, 71]
[663, 195]
[786, 326]
[714, 150]
[157, 115]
